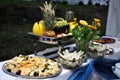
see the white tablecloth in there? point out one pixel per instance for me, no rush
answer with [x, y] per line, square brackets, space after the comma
[116, 48]
[65, 72]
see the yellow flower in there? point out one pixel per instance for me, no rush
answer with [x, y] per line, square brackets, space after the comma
[75, 19]
[99, 24]
[83, 22]
[92, 27]
[97, 21]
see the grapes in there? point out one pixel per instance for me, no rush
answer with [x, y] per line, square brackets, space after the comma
[60, 23]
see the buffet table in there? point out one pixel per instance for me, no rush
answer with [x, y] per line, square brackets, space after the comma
[64, 75]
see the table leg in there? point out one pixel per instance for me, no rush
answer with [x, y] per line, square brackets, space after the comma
[35, 47]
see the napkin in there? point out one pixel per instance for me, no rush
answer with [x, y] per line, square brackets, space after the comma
[103, 68]
[83, 73]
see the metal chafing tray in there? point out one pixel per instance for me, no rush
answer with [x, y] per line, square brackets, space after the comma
[51, 52]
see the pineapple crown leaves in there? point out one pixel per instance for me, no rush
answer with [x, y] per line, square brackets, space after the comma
[49, 14]
[69, 15]
[48, 9]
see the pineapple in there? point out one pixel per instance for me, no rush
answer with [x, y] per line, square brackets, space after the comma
[69, 16]
[49, 15]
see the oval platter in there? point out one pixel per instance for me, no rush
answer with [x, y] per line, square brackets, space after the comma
[31, 77]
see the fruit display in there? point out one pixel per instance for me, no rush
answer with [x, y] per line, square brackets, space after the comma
[51, 29]
[52, 25]
[61, 26]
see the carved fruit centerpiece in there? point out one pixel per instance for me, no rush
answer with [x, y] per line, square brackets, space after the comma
[50, 26]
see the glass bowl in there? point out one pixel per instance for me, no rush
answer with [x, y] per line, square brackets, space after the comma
[98, 50]
[71, 60]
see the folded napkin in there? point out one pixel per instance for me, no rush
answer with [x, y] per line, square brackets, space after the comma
[83, 73]
[103, 68]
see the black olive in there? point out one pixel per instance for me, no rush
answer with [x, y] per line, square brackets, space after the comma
[31, 57]
[48, 64]
[43, 70]
[36, 74]
[14, 65]
[27, 58]
[18, 72]
[33, 60]
[9, 70]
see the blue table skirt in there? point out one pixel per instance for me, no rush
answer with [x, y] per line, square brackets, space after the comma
[101, 66]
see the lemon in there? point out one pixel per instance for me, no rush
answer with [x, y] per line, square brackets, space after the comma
[72, 25]
[38, 28]
[35, 28]
[41, 27]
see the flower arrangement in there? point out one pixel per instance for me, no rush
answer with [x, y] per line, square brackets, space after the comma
[84, 33]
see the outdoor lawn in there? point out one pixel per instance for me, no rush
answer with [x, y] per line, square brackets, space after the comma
[17, 18]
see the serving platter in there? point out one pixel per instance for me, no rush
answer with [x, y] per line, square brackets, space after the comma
[29, 76]
[51, 40]
[105, 40]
